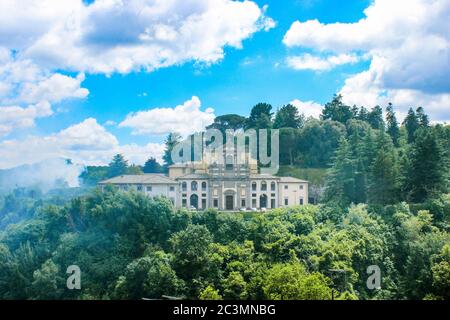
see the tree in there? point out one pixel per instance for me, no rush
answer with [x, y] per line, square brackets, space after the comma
[441, 273]
[189, 247]
[228, 121]
[260, 117]
[392, 125]
[363, 114]
[383, 186]
[288, 145]
[209, 293]
[118, 166]
[375, 118]
[235, 287]
[292, 282]
[288, 117]
[411, 124]
[340, 185]
[422, 117]
[336, 110]
[152, 166]
[428, 167]
[149, 277]
[47, 283]
[134, 170]
[318, 141]
[171, 141]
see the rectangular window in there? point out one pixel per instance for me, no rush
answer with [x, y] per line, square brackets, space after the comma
[184, 195]
[149, 188]
[172, 188]
[254, 195]
[286, 201]
[184, 203]
[254, 203]
[272, 203]
[216, 203]
[242, 203]
[301, 201]
[301, 187]
[139, 188]
[254, 187]
[286, 187]
[273, 195]
[272, 187]
[203, 203]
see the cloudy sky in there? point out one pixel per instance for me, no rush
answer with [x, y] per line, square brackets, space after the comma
[87, 79]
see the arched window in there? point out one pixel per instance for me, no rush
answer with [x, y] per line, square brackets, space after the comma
[273, 186]
[203, 186]
[254, 186]
[194, 185]
[229, 163]
[263, 186]
[184, 186]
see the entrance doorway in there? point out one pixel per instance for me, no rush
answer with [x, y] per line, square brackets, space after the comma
[194, 201]
[229, 202]
[263, 201]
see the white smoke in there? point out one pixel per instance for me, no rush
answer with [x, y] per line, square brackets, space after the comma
[46, 175]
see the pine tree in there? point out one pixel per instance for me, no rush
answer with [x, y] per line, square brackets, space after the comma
[375, 118]
[118, 166]
[411, 124]
[427, 174]
[288, 117]
[171, 140]
[336, 110]
[152, 166]
[383, 185]
[392, 125]
[340, 185]
[422, 117]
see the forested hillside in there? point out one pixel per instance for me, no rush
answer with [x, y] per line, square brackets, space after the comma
[129, 246]
[384, 200]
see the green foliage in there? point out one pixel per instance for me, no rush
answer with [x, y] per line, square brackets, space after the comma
[260, 117]
[117, 166]
[171, 140]
[292, 282]
[152, 166]
[288, 117]
[336, 110]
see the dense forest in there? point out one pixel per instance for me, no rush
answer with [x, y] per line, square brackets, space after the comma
[383, 196]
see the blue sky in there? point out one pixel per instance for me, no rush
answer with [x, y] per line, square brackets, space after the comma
[66, 89]
[234, 84]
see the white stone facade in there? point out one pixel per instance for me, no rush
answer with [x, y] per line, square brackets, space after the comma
[224, 187]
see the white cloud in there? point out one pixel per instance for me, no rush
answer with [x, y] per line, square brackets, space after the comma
[108, 36]
[55, 88]
[85, 143]
[27, 92]
[308, 108]
[183, 119]
[409, 43]
[310, 62]
[13, 117]
[115, 36]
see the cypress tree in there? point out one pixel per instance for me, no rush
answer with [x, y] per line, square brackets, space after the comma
[392, 125]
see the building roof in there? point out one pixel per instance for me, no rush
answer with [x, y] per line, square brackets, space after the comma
[291, 180]
[263, 177]
[192, 176]
[148, 178]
